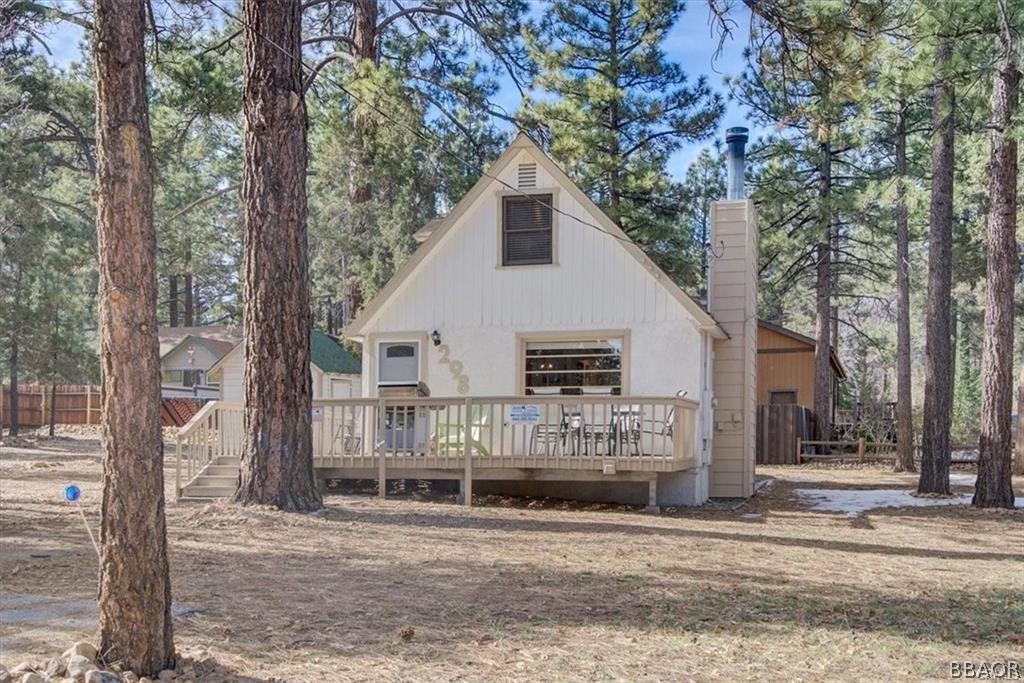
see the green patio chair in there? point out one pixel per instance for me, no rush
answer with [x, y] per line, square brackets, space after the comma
[451, 438]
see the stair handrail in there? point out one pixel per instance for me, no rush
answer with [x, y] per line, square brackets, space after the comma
[186, 430]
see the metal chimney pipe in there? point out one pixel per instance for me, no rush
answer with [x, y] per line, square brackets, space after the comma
[736, 144]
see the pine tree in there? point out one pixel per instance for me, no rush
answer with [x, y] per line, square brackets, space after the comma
[618, 108]
[277, 452]
[704, 183]
[938, 388]
[994, 487]
[807, 73]
[135, 588]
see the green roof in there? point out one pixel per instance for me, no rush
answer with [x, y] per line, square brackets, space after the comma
[330, 356]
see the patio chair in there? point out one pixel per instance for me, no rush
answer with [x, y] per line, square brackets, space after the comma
[549, 435]
[350, 441]
[451, 438]
[575, 429]
[667, 427]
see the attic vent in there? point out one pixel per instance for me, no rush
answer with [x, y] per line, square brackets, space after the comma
[527, 175]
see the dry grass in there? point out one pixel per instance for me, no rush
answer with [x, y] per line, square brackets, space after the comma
[404, 590]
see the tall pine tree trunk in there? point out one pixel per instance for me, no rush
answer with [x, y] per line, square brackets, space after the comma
[365, 46]
[51, 419]
[190, 318]
[994, 487]
[172, 300]
[938, 369]
[277, 456]
[823, 289]
[15, 402]
[904, 396]
[135, 588]
[1018, 448]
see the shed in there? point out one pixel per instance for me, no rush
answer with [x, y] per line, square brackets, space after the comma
[336, 372]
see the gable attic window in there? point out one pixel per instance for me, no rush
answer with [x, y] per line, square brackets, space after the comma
[526, 230]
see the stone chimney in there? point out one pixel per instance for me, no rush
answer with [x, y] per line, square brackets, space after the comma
[732, 300]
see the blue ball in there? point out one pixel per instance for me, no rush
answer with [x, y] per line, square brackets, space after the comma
[72, 493]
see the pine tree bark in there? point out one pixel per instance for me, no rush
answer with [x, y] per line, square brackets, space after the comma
[994, 487]
[1018, 449]
[904, 395]
[135, 588]
[823, 290]
[15, 402]
[172, 300]
[277, 455]
[938, 383]
[365, 45]
[51, 419]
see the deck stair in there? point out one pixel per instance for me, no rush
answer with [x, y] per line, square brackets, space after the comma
[216, 480]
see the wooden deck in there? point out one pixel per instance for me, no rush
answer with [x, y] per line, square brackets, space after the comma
[560, 438]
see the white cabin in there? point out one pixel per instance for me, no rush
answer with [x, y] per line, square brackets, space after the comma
[528, 289]
[529, 346]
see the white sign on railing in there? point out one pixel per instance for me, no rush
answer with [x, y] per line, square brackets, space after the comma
[524, 414]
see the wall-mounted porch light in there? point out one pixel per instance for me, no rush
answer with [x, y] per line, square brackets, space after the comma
[435, 337]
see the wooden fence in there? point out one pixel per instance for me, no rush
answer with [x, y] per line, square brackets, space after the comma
[778, 429]
[72, 404]
[75, 404]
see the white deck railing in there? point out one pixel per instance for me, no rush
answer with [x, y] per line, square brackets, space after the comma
[604, 433]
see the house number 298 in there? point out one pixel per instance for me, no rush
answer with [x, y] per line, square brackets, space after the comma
[455, 367]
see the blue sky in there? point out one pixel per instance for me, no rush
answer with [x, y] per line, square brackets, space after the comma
[691, 43]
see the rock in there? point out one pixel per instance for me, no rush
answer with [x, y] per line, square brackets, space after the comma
[33, 677]
[5, 675]
[22, 668]
[130, 677]
[82, 649]
[98, 676]
[167, 675]
[54, 667]
[145, 679]
[79, 666]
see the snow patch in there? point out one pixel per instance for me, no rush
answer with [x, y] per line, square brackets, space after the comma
[854, 502]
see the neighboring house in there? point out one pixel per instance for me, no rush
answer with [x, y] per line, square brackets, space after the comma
[335, 371]
[526, 288]
[785, 367]
[785, 392]
[185, 365]
[171, 336]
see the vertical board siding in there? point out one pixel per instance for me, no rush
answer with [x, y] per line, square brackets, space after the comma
[732, 468]
[461, 290]
[72, 404]
[778, 428]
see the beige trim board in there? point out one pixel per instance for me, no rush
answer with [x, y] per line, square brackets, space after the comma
[356, 329]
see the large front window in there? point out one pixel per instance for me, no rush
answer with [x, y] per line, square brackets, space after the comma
[574, 367]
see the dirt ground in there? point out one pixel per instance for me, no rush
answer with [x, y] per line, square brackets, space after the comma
[407, 590]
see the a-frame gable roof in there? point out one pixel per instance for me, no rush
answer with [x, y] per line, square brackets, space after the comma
[522, 142]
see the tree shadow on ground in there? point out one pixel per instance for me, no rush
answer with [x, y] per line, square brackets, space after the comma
[211, 671]
[424, 519]
[350, 610]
